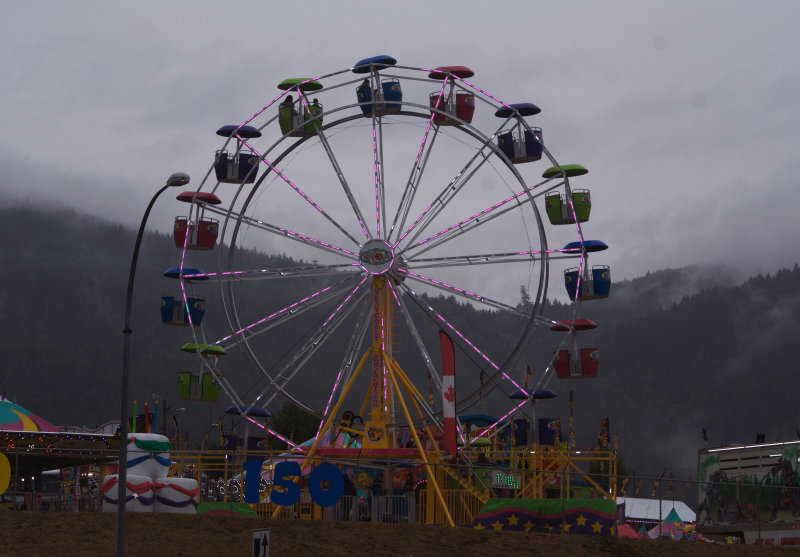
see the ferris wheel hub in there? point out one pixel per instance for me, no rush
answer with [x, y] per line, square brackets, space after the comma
[376, 257]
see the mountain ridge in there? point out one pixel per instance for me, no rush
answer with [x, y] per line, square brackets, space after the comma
[682, 350]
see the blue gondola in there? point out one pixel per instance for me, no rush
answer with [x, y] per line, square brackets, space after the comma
[238, 166]
[387, 96]
[173, 310]
[187, 274]
[593, 285]
[520, 144]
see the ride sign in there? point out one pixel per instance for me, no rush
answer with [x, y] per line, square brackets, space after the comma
[325, 483]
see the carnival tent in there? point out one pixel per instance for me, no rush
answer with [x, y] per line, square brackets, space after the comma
[14, 417]
[651, 511]
[627, 531]
[673, 530]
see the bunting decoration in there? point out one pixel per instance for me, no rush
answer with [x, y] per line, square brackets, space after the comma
[624, 487]
[558, 434]
[603, 438]
[222, 442]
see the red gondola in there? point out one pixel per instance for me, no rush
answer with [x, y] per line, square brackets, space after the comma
[575, 361]
[451, 107]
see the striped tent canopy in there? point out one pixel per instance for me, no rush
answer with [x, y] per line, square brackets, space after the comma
[14, 417]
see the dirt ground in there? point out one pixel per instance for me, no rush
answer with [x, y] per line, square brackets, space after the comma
[154, 535]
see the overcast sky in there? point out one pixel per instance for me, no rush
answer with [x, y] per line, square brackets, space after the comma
[686, 113]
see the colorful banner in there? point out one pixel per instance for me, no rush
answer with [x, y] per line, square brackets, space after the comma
[594, 517]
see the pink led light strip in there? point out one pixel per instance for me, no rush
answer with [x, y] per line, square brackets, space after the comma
[339, 174]
[412, 180]
[276, 434]
[347, 299]
[272, 273]
[474, 217]
[335, 388]
[276, 314]
[305, 196]
[494, 425]
[447, 195]
[461, 291]
[341, 370]
[465, 339]
[475, 88]
[486, 258]
[377, 179]
[425, 356]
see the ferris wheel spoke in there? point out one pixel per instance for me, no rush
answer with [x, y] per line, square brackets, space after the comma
[315, 340]
[484, 300]
[293, 310]
[412, 185]
[431, 369]
[445, 196]
[447, 326]
[378, 162]
[466, 294]
[492, 258]
[451, 191]
[478, 219]
[350, 358]
[281, 273]
[310, 201]
[290, 234]
[345, 186]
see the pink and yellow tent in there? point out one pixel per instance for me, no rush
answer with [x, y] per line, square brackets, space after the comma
[14, 417]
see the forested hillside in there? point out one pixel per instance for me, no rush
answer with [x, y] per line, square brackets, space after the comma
[681, 350]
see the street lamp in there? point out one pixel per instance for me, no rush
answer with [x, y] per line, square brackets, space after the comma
[177, 179]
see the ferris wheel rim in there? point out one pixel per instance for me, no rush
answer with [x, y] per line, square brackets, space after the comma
[540, 298]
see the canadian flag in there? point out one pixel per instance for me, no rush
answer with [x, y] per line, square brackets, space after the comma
[448, 393]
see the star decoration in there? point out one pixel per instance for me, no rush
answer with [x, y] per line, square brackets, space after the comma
[512, 520]
[597, 527]
[480, 527]
[497, 526]
[566, 526]
[549, 528]
[528, 526]
[581, 520]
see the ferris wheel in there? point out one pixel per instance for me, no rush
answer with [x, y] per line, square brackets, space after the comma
[395, 202]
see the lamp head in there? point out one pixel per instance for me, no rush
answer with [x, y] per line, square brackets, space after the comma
[178, 179]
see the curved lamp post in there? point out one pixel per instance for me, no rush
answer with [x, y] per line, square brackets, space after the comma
[177, 179]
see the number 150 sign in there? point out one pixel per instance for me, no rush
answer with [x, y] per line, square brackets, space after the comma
[325, 483]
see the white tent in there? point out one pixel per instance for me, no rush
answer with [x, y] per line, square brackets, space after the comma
[647, 510]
